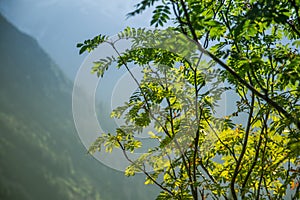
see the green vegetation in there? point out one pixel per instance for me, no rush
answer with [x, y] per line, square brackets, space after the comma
[253, 47]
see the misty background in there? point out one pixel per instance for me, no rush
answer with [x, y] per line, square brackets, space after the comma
[58, 25]
[41, 155]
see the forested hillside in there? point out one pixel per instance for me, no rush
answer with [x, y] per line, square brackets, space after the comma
[41, 156]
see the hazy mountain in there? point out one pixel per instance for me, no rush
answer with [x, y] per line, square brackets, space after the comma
[41, 156]
[59, 25]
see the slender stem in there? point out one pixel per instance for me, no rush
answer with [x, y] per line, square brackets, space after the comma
[186, 164]
[294, 28]
[143, 94]
[244, 147]
[266, 188]
[143, 170]
[187, 16]
[262, 170]
[255, 158]
[219, 139]
[177, 14]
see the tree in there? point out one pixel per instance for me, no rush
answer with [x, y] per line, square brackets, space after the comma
[253, 48]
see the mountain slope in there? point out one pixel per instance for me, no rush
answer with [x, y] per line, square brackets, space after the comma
[41, 156]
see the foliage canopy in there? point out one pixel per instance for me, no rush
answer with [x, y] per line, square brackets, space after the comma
[253, 48]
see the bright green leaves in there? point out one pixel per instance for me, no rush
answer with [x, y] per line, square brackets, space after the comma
[132, 145]
[167, 96]
[260, 146]
[219, 156]
[290, 68]
[247, 29]
[260, 16]
[122, 139]
[102, 65]
[139, 115]
[97, 144]
[107, 140]
[142, 56]
[216, 30]
[142, 6]
[91, 44]
[197, 77]
[139, 34]
[130, 171]
[160, 15]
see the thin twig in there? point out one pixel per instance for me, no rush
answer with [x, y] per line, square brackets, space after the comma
[143, 170]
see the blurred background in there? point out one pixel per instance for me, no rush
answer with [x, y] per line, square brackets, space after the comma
[41, 156]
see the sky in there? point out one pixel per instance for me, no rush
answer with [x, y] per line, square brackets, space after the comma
[58, 25]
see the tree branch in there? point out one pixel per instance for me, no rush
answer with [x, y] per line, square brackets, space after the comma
[255, 158]
[244, 147]
[143, 170]
[234, 73]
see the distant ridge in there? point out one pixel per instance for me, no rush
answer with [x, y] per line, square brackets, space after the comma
[41, 157]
